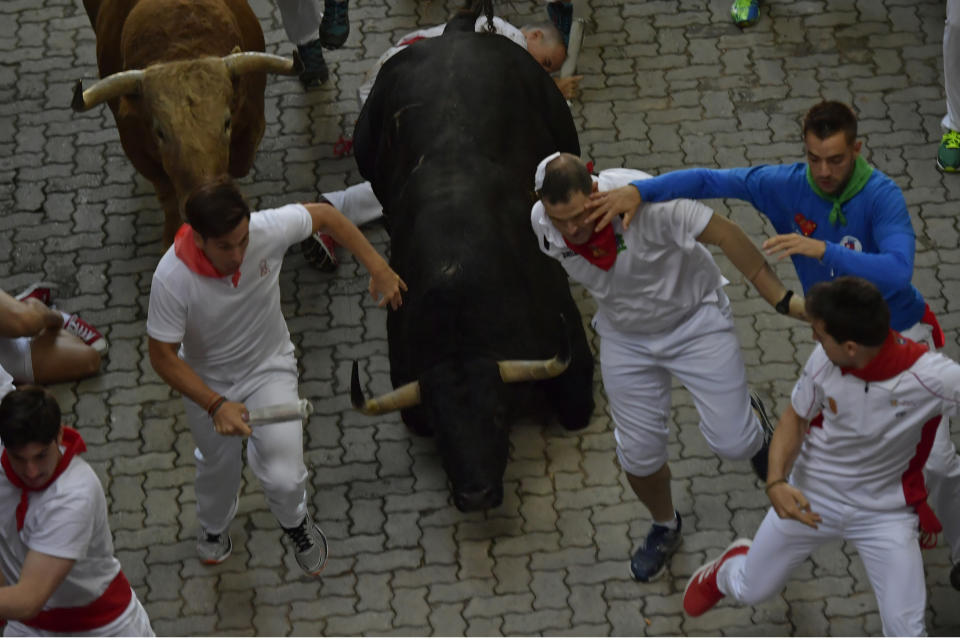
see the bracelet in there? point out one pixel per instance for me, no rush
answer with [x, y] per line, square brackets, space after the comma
[771, 485]
[784, 305]
[215, 405]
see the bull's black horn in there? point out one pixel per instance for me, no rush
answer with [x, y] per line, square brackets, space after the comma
[77, 103]
[400, 398]
[356, 393]
[529, 370]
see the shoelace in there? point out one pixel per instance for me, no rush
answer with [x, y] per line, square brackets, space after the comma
[300, 537]
[951, 140]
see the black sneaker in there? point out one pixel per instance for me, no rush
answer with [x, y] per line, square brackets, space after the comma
[955, 576]
[335, 25]
[319, 251]
[315, 71]
[760, 458]
[649, 561]
[561, 15]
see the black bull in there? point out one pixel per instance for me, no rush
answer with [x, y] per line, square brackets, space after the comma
[450, 138]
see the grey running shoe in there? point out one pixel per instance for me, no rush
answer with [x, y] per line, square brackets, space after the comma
[213, 548]
[310, 546]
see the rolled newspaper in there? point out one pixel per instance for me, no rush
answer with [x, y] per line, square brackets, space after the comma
[301, 409]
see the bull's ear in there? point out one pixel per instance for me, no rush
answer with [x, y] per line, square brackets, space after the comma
[236, 49]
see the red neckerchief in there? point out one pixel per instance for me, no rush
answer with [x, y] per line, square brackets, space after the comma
[73, 444]
[928, 318]
[897, 354]
[195, 259]
[600, 250]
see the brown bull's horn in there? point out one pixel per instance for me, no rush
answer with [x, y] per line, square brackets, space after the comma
[113, 86]
[528, 370]
[253, 61]
[400, 398]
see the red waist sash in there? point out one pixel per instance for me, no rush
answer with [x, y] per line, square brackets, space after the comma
[104, 610]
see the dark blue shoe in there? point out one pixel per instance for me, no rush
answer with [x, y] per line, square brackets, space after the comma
[335, 25]
[561, 15]
[649, 561]
[315, 71]
[955, 576]
[759, 460]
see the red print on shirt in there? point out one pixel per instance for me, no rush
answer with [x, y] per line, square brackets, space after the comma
[807, 227]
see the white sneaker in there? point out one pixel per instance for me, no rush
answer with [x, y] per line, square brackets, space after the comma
[213, 548]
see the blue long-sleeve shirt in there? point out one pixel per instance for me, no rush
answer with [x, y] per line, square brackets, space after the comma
[876, 243]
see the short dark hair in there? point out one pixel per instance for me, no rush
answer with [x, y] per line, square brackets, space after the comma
[829, 117]
[851, 308]
[27, 415]
[563, 176]
[216, 207]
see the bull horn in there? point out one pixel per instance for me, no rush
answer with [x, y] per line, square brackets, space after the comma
[257, 61]
[530, 370]
[400, 398]
[113, 86]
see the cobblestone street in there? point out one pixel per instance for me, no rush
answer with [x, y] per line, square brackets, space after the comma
[667, 84]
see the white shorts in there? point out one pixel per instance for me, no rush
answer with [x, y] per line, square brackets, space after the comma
[15, 358]
[704, 354]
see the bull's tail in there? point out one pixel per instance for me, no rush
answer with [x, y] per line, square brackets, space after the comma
[476, 8]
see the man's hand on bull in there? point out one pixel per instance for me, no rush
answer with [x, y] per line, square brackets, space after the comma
[386, 285]
[231, 418]
[605, 205]
[569, 86]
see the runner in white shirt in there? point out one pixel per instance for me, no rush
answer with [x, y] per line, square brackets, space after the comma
[661, 312]
[217, 335]
[57, 565]
[859, 475]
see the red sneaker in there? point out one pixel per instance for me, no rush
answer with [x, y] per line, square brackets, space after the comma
[702, 592]
[86, 332]
[42, 291]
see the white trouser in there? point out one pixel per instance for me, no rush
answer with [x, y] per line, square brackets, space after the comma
[274, 451]
[132, 623]
[357, 203]
[951, 65]
[301, 19]
[887, 544]
[942, 471]
[704, 354]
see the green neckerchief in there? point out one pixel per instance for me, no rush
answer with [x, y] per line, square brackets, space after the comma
[861, 173]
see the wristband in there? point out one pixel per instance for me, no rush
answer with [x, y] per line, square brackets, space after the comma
[215, 405]
[784, 305]
[771, 485]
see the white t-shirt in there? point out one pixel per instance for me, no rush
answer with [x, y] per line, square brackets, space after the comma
[661, 275]
[870, 430]
[67, 520]
[225, 331]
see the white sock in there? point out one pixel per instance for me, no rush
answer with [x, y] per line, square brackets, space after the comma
[66, 317]
[672, 524]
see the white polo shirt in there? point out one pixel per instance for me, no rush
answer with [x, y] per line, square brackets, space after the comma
[226, 331]
[661, 275]
[871, 430]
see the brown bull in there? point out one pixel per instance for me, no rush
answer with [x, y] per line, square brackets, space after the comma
[188, 104]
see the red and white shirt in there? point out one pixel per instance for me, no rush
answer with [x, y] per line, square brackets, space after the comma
[876, 435]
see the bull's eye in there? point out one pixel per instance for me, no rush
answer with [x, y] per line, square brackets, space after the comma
[226, 126]
[160, 135]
